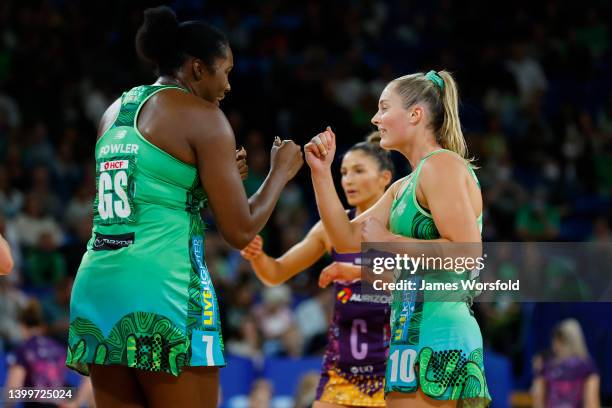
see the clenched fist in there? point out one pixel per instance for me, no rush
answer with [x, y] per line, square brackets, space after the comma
[320, 150]
[286, 157]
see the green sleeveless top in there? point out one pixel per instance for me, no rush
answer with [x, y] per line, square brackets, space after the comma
[409, 219]
[144, 278]
[132, 174]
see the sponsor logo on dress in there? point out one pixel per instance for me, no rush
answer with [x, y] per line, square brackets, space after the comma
[114, 165]
[120, 134]
[367, 298]
[209, 312]
[346, 295]
[103, 242]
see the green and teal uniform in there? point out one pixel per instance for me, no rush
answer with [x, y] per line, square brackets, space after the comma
[143, 296]
[442, 337]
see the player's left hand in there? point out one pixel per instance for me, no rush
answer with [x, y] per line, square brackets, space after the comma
[372, 230]
[338, 271]
[254, 250]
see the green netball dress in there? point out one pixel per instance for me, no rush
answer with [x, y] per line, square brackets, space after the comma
[143, 296]
[443, 338]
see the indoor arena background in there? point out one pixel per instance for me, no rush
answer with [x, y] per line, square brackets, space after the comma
[536, 95]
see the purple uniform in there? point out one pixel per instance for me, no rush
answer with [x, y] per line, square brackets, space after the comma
[565, 381]
[43, 360]
[355, 359]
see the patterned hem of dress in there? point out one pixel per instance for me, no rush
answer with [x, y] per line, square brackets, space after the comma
[445, 375]
[139, 340]
[472, 402]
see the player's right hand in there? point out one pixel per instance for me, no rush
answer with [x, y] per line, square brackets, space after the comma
[286, 157]
[254, 249]
[320, 150]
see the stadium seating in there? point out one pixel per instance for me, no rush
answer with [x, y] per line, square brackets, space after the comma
[285, 373]
[236, 379]
[498, 370]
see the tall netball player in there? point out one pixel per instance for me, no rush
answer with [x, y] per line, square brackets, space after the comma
[353, 369]
[144, 315]
[435, 356]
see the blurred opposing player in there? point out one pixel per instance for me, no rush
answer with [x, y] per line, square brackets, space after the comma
[354, 364]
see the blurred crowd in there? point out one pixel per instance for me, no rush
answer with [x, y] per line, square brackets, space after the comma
[536, 110]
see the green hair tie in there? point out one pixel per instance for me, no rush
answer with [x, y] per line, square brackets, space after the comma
[434, 77]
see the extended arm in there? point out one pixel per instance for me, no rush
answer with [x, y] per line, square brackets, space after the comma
[302, 255]
[14, 380]
[591, 392]
[538, 392]
[345, 235]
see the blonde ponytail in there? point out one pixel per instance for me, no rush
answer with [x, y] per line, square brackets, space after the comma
[451, 135]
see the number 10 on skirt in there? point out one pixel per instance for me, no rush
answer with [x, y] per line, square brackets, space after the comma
[401, 366]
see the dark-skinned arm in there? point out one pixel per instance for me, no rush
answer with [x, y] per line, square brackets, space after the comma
[238, 219]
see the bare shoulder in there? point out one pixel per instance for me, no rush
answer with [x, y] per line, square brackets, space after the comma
[197, 117]
[445, 165]
[397, 186]
[397, 183]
